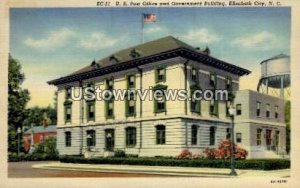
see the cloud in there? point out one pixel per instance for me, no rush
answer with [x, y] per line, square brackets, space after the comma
[56, 38]
[260, 41]
[200, 36]
[97, 41]
[154, 29]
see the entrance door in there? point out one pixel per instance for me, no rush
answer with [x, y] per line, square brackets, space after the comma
[268, 138]
[109, 139]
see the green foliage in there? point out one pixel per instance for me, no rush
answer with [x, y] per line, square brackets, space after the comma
[287, 116]
[120, 153]
[255, 164]
[48, 147]
[17, 100]
[224, 151]
[38, 116]
[13, 157]
[43, 152]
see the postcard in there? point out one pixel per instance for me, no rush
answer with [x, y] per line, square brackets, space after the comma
[149, 93]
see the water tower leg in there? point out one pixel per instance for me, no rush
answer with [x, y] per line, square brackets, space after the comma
[267, 85]
[281, 87]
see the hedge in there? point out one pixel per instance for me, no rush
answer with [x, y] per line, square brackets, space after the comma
[254, 164]
[13, 157]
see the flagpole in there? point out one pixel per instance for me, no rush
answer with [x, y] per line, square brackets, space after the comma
[142, 32]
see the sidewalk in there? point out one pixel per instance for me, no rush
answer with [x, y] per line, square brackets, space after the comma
[163, 170]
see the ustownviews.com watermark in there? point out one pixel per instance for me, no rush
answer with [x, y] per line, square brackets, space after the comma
[94, 93]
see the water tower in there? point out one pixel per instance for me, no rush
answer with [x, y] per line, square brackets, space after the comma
[275, 76]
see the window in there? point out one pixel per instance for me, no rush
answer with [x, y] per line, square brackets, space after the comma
[90, 111]
[228, 83]
[212, 136]
[213, 79]
[268, 110]
[68, 92]
[257, 109]
[159, 98]
[109, 104]
[68, 113]
[90, 89]
[130, 136]
[161, 104]
[41, 139]
[134, 53]
[238, 137]
[194, 134]
[130, 81]
[160, 134]
[228, 133]
[213, 107]
[109, 139]
[109, 109]
[110, 84]
[90, 138]
[276, 112]
[113, 59]
[194, 75]
[258, 136]
[238, 109]
[160, 74]
[195, 104]
[130, 104]
[68, 139]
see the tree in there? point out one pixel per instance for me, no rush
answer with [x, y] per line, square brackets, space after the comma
[17, 100]
[287, 117]
[48, 147]
[41, 116]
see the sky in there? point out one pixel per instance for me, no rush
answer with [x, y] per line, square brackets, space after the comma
[54, 42]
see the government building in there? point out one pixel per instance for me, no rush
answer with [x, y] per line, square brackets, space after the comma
[163, 127]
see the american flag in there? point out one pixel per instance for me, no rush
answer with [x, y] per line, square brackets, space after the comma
[149, 18]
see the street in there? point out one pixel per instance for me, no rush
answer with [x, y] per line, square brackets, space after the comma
[25, 170]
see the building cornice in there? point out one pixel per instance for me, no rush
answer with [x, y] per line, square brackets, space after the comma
[137, 120]
[180, 52]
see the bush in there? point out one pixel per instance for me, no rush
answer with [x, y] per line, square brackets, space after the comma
[224, 150]
[44, 152]
[14, 157]
[255, 164]
[119, 153]
[186, 154]
[48, 147]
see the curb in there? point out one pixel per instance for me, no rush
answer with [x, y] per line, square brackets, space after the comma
[137, 171]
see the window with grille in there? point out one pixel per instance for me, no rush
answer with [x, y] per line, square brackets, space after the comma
[160, 134]
[238, 109]
[68, 139]
[268, 110]
[194, 134]
[91, 138]
[258, 104]
[238, 137]
[212, 136]
[130, 136]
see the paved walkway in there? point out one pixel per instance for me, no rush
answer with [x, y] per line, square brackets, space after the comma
[25, 170]
[163, 170]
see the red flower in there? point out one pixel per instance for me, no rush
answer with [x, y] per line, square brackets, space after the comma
[224, 151]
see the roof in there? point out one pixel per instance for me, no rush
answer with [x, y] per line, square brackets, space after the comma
[42, 129]
[280, 56]
[163, 48]
[147, 49]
